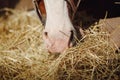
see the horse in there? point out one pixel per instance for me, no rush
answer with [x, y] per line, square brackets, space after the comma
[57, 18]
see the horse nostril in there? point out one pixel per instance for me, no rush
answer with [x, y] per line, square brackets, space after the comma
[72, 35]
[46, 34]
[71, 39]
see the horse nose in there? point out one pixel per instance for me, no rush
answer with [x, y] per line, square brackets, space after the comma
[58, 46]
[58, 43]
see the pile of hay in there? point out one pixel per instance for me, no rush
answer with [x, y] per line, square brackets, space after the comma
[23, 57]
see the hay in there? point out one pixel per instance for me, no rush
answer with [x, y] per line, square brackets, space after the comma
[23, 57]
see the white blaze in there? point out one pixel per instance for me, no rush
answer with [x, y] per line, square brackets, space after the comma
[57, 17]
